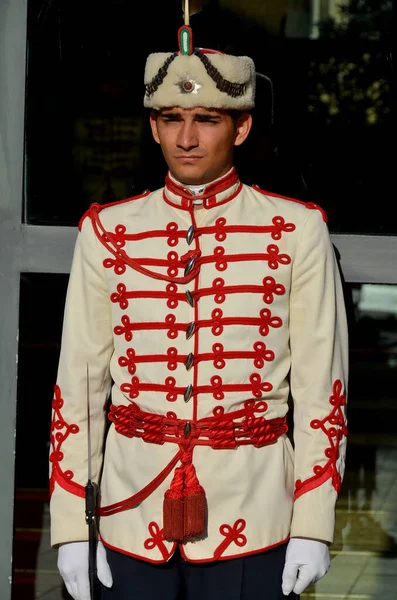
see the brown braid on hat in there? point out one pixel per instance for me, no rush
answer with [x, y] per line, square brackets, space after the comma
[158, 79]
[232, 89]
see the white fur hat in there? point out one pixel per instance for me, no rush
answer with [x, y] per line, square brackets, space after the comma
[198, 78]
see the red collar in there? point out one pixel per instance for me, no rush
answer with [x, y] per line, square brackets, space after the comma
[219, 191]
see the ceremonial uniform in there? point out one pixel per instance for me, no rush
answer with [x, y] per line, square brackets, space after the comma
[202, 364]
[192, 323]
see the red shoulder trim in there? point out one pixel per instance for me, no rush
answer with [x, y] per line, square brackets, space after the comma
[100, 207]
[306, 204]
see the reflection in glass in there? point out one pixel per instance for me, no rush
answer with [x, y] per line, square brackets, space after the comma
[330, 63]
[364, 555]
[42, 300]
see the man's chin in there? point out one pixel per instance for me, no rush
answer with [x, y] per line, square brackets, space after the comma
[191, 176]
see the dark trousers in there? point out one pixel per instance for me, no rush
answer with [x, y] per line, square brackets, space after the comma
[255, 577]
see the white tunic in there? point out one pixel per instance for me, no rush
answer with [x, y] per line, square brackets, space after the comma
[269, 333]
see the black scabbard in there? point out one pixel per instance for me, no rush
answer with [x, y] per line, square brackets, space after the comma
[91, 497]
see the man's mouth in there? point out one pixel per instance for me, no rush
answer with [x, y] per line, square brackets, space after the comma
[188, 157]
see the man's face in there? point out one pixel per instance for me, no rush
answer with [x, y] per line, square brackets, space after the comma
[198, 143]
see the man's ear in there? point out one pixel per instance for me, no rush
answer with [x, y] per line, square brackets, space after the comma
[243, 127]
[153, 125]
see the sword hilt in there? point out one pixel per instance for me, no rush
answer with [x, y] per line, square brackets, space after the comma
[91, 495]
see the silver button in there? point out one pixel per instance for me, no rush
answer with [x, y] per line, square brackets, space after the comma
[190, 330]
[189, 297]
[188, 393]
[190, 234]
[189, 266]
[189, 361]
[187, 429]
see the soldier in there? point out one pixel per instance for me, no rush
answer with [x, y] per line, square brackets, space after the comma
[200, 308]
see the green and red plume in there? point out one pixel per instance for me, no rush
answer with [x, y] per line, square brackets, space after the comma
[185, 34]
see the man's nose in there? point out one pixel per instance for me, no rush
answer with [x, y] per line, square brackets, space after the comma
[187, 138]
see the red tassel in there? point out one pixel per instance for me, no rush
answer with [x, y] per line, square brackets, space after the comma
[173, 509]
[195, 504]
[173, 525]
[184, 507]
[194, 514]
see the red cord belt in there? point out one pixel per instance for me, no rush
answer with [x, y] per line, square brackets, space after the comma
[184, 502]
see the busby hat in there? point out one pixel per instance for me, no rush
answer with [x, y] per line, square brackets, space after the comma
[193, 77]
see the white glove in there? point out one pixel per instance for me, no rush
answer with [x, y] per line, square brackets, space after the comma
[73, 567]
[306, 561]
